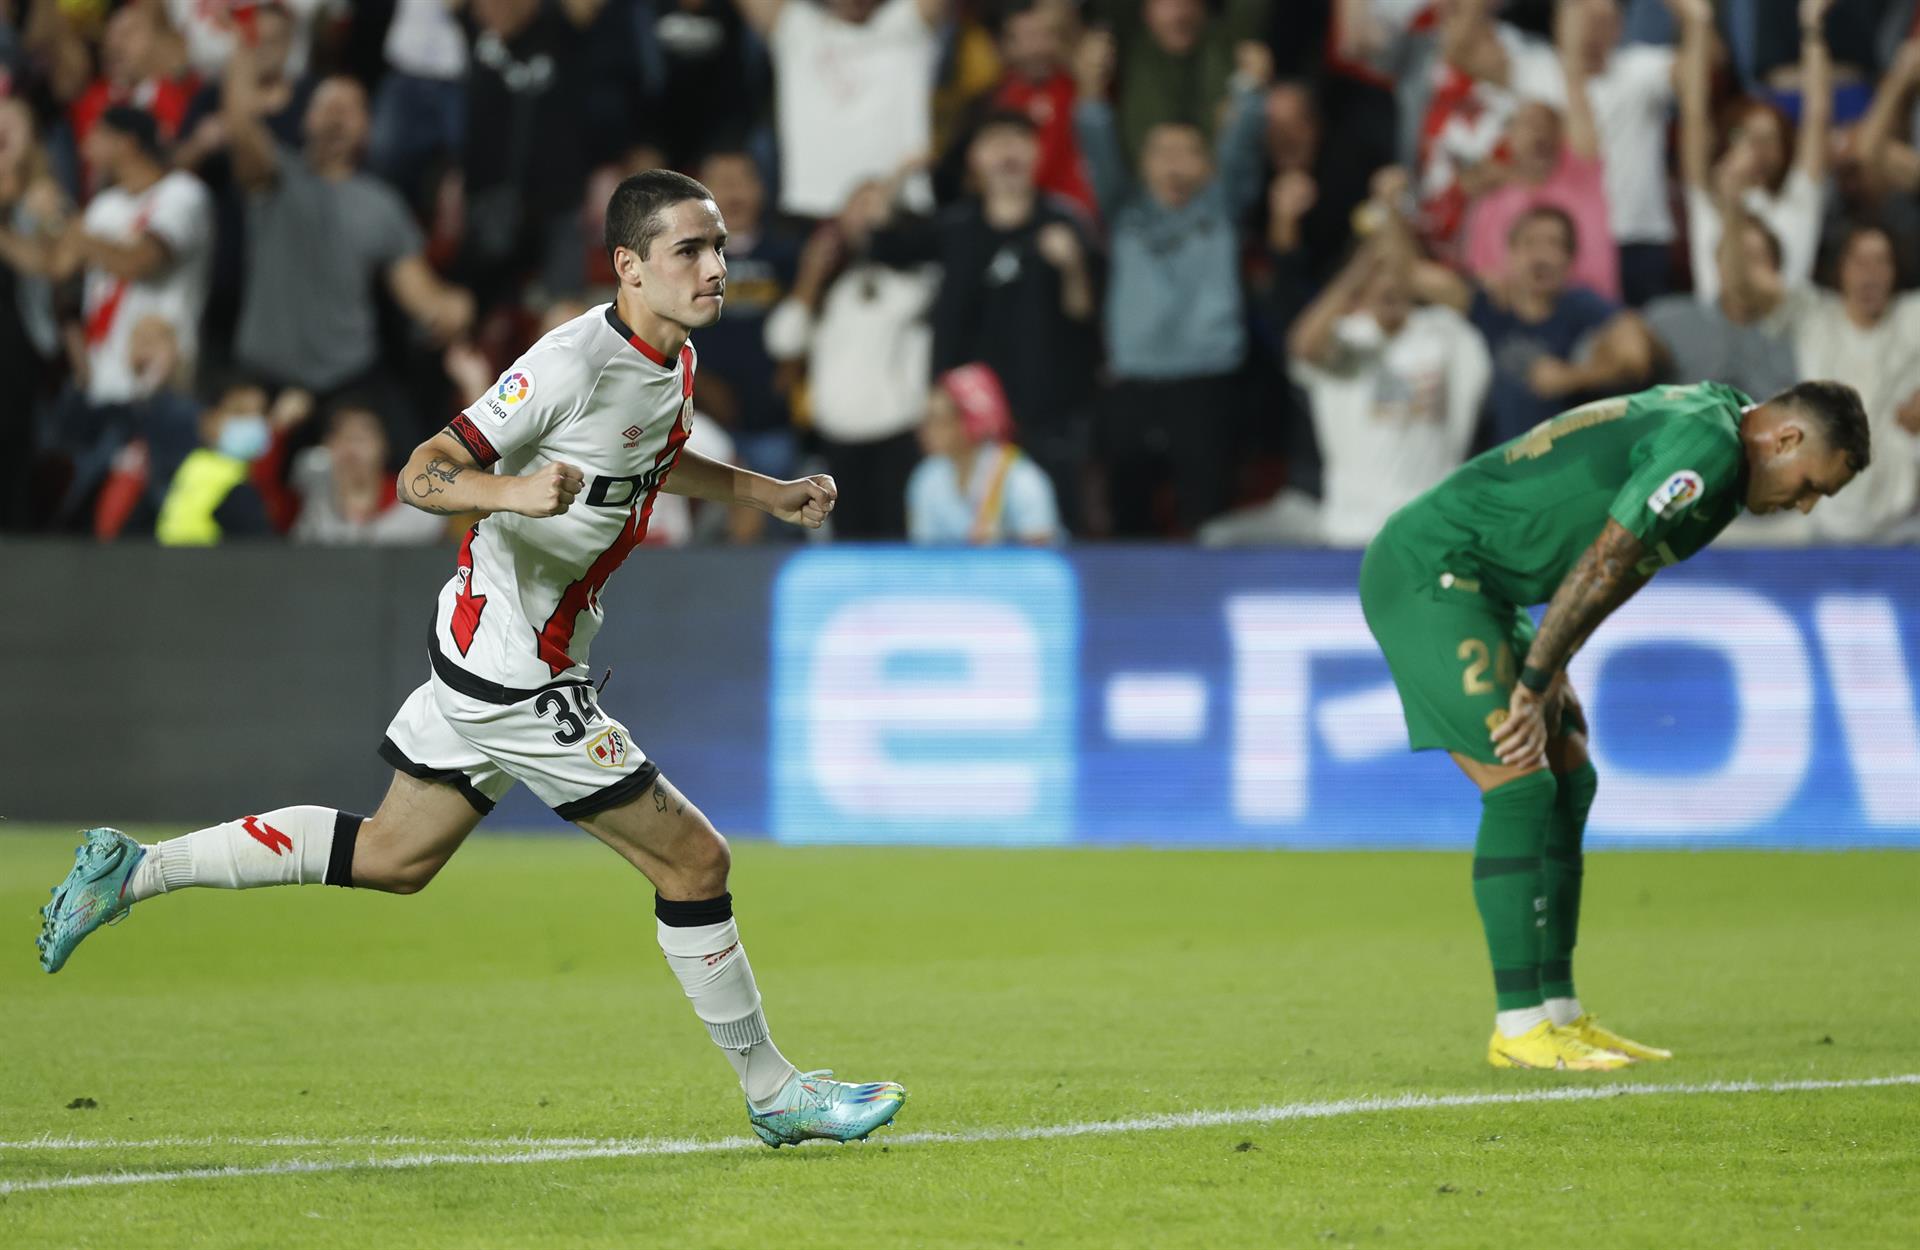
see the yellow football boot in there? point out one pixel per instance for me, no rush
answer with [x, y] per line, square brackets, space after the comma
[1544, 1046]
[1599, 1036]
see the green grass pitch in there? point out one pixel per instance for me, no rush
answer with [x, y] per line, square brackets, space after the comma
[504, 1060]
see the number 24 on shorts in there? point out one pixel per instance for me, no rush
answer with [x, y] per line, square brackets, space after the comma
[1475, 653]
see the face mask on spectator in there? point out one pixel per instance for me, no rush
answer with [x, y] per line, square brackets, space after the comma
[244, 436]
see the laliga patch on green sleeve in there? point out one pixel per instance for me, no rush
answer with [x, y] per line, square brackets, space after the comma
[1676, 494]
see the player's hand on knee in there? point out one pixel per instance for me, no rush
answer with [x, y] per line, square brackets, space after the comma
[551, 489]
[1521, 739]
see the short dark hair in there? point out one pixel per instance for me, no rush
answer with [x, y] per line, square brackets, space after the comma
[1552, 213]
[137, 125]
[1843, 418]
[1000, 14]
[1008, 118]
[633, 214]
[1858, 230]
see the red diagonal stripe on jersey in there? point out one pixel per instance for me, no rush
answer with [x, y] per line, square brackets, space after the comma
[676, 439]
[266, 835]
[467, 606]
[553, 638]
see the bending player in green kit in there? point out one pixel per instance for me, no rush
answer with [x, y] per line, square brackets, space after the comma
[1577, 513]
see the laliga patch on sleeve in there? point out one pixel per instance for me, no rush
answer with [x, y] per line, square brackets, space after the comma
[514, 389]
[1676, 493]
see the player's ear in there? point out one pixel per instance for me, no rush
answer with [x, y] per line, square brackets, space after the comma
[626, 265]
[1789, 437]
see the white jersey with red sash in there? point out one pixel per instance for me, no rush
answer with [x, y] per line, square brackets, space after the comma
[523, 605]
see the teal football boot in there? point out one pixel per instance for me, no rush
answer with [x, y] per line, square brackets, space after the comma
[813, 1106]
[92, 895]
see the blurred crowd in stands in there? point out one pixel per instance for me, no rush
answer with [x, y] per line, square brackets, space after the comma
[1239, 271]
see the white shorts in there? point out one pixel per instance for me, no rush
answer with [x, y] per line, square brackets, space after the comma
[575, 757]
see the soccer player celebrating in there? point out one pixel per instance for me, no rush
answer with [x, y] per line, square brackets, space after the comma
[565, 456]
[1577, 513]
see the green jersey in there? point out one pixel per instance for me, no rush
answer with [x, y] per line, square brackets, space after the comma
[1666, 463]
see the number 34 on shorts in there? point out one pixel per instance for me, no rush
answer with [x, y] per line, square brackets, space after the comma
[560, 743]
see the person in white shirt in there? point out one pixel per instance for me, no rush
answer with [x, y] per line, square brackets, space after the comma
[1868, 334]
[853, 94]
[976, 486]
[1395, 392]
[145, 245]
[863, 332]
[1631, 90]
[1784, 188]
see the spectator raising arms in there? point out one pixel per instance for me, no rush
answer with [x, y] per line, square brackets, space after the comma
[135, 73]
[1890, 164]
[1549, 162]
[1745, 337]
[1631, 90]
[1395, 393]
[853, 84]
[1175, 329]
[1017, 292]
[975, 486]
[1787, 195]
[319, 233]
[861, 328]
[1033, 43]
[1175, 60]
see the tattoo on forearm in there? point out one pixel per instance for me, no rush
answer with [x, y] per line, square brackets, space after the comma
[433, 480]
[1603, 579]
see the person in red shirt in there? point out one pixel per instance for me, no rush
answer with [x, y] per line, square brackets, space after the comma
[134, 71]
[1032, 35]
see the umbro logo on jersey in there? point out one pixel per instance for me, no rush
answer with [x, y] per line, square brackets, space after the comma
[632, 434]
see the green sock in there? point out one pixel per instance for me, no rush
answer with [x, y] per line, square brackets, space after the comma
[1564, 866]
[1507, 883]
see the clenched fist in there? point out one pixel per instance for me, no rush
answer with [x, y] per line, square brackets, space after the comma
[804, 502]
[549, 490]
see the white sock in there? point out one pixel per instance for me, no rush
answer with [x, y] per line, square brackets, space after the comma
[1514, 1023]
[286, 846]
[713, 969]
[1564, 1011]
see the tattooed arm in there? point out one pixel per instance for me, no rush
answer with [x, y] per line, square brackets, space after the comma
[1605, 577]
[443, 478]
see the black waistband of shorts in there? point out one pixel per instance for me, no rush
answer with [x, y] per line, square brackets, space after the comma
[458, 679]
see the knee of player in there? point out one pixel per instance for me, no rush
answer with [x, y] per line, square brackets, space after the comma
[712, 857]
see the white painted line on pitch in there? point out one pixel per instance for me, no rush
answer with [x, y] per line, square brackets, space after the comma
[526, 1150]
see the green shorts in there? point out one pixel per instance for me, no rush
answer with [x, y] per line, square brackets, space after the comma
[1454, 652]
